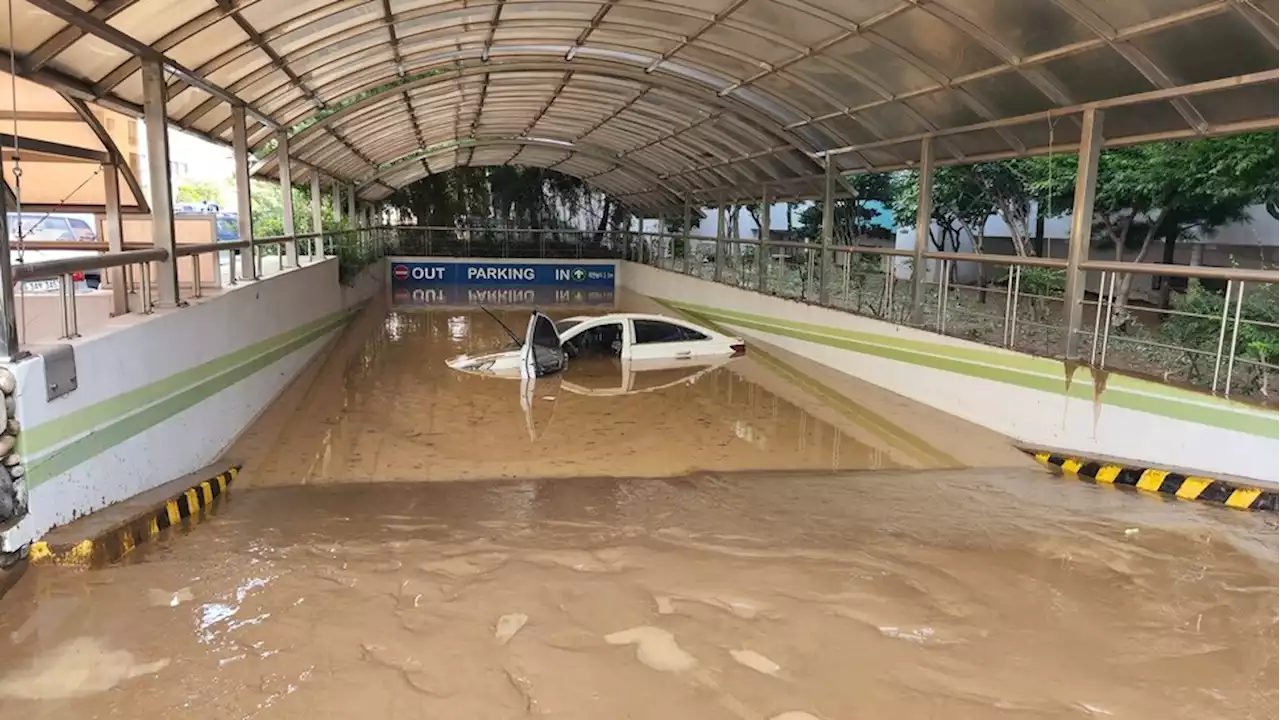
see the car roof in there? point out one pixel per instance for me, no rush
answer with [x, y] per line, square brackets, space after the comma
[639, 316]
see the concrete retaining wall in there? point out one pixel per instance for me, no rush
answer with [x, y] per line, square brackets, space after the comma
[1032, 400]
[163, 395]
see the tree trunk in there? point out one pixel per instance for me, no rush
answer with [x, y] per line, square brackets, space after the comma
[1126, 282]
[1170, 240]
[1040, 243]
[603, 225]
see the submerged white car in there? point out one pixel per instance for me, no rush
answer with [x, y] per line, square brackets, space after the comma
[639, 340]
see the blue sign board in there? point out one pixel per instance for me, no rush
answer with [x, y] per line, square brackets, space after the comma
[511, 274]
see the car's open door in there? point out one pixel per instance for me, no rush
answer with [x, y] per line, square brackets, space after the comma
[541, 354]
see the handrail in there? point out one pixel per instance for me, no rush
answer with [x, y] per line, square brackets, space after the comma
[50, 269]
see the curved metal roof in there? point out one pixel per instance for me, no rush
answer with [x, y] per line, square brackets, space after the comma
[655, 101]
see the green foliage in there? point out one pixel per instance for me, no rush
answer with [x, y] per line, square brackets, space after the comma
[197, 191]
[506, 196]
[851, 214]
[1200, 325]
[675, 223]
[268, 210]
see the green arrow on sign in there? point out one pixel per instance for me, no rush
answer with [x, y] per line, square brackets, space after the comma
[579, 274]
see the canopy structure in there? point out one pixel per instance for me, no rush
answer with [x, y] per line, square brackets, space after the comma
[660, 102]
[61, 151]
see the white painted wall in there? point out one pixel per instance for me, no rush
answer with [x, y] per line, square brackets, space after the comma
[141, 350]
[1030, 416]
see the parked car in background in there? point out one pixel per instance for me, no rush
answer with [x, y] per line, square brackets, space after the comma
[51, 227]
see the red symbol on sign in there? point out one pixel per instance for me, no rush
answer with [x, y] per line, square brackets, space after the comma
[401, 272]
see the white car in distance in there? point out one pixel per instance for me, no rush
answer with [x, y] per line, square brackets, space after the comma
[641, 341]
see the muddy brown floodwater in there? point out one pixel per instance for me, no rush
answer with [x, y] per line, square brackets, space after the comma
[773, 555]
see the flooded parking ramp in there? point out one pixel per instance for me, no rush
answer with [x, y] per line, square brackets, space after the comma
[873, 594]
[385, 406]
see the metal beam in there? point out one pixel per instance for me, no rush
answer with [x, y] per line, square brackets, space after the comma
[73, 15]
[244, 202]
[163, 235]
[924, 218]
[83, 111]
[286, 192]
[762, 251]
[8, 310]
[1081, 228]
[828, 227]
[317, 218]
[48, 148]
[113, 228]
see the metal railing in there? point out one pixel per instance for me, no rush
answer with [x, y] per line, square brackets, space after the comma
[1015, 302]
[130, 271]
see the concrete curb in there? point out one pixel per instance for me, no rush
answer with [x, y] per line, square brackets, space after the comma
[1155, 480]
[107, 544]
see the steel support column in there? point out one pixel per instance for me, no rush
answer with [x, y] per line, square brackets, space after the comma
[351, 205]
[1081, 226]
[762, 250]
[687, 233]
[720, 243]
[244, 202]
[290, 258]
[924, 218]
[8, 310]
[113, 228]
[317, 218]
[162, 231]
[828, 226]
[337, 202]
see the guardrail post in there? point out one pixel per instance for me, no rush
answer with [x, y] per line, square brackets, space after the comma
[720, 243]
[113, 228]
[244, 203]
[762, 250]
[924, 218]
[154, 93]
[9, 331]
[1082, 227]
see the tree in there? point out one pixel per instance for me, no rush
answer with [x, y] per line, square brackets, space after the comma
[853, 215]
[268, 210]
[1172, 189]
[197, 191]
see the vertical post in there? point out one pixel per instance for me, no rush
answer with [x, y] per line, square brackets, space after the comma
[924, 217]
[113, 228]
[720, 234]
[244, 203]
[1081, 226]
[317, 218]
[688, 233]
[351, 204]
[9, 331]
[762, 250]
[290, 258]
[162, 230]
[337, 202]
[828, 226]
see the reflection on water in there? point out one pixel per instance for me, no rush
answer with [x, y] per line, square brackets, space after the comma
[393, 410]
[880, 595]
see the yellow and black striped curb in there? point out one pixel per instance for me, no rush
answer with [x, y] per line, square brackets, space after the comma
[112, 544]
[1154, 480]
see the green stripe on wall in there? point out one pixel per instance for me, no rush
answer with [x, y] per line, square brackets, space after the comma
[894, 436]
[1022, 371]
[183, 390]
